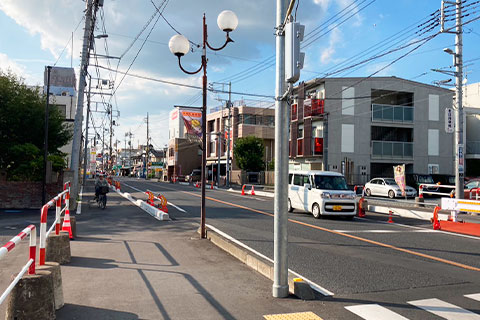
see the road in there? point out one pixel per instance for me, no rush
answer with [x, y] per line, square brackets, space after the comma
[372, 267]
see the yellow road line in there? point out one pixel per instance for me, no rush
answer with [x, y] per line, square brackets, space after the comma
[381, 244]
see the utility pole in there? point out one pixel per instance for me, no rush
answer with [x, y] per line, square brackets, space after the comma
[45, 141]
[110, 166]
[280, 267]
[85, 158]
[148, 152]
[229, 128]
[219, 155]
[458, 63]
[103, 148]
[92, 6]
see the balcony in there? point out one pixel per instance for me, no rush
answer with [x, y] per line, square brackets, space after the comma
[392, 150]
[313, 107]
[391, 113]
[300, 147]
[473, 148]
[293, 110]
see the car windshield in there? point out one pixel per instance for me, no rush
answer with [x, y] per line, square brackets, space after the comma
[425, 179]
[390, 182]
[330, 182]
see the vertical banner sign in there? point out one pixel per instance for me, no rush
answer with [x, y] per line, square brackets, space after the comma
[460, 159]
[193, 122]
[399, 173]
[449, 124]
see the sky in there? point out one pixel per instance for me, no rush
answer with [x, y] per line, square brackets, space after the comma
[339, 34]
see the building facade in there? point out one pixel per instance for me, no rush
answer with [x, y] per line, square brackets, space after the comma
[245, 121]
[471, 103]
[363, 127]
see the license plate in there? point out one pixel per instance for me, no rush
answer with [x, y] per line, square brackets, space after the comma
[337, 208]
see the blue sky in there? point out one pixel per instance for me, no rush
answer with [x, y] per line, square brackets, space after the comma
[35, 32]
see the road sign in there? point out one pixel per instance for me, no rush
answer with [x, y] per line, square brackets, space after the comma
[449, 122]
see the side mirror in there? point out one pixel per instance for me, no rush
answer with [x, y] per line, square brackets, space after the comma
[308, 186]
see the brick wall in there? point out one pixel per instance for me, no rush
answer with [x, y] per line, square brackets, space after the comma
[26, 194]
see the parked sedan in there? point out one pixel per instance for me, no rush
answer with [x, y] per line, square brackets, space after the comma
[387, 187]
[471, 184]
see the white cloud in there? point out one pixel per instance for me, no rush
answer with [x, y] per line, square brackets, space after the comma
[328, 55]
[372, 68]
[7, 64]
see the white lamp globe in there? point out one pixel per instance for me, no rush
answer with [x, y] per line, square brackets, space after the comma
[227, 21]
[179, 45]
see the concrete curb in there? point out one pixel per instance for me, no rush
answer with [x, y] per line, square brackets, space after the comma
[257, 262]
[154, 212]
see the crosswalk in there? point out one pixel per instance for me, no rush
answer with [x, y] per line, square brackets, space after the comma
[437, 307]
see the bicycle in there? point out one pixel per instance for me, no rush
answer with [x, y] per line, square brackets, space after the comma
[102, 197]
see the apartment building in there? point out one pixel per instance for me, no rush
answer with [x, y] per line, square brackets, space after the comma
[363, 127]
[258, 121]
[471, 104]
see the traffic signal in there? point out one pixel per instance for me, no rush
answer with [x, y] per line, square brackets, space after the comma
[293, 57]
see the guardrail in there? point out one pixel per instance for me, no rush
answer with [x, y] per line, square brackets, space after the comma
[426, 188]
[57, 200]
[30, 266]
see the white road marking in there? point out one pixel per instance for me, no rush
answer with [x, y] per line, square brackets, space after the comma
[312, 284]
[474, 296]
[168, 202]
[420, 228]
[382, 231]
[374, 312]
[444, 309]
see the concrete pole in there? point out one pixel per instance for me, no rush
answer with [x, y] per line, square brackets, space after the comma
[229, 128]
[219, 154]
[45, 140]
[148, 152]
[110, 158]
[86, 154]
[459, 147]
[280, 268]
[77, 129]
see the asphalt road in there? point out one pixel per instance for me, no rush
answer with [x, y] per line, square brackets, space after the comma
[373, 268]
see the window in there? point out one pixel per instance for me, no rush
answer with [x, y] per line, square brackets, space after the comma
[297, 180]
[330, 182]
[348, 94]
[300, 132]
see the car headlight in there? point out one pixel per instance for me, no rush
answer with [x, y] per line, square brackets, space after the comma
[350, 196]
[326, 195]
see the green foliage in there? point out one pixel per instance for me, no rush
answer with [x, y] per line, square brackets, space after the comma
[22, 122]
[248, 153]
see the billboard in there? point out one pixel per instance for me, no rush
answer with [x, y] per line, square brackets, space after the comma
[193, 122]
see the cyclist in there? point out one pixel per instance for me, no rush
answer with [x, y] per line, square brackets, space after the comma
[99, 183]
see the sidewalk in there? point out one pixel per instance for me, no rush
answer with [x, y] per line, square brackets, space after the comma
[127, 265]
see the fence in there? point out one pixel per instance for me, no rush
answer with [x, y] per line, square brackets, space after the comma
[57, 200]
[30, 266]
[432, 189]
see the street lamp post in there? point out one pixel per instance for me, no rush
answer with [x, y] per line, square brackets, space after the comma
[227, 21]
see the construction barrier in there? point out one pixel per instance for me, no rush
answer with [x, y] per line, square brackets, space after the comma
[30, 266]
[151, 201]
[252, 190]
[476, 194]
[432, 189]
[455, 206]
[57, 201]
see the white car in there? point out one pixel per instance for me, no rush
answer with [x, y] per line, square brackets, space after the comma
[321, 193]
[387, 187]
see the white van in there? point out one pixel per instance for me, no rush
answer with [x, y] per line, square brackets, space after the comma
[321, 193]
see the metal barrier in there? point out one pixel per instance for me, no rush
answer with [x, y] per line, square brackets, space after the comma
[57, 200]
[30, 266]
[424, 188]
[476, 194]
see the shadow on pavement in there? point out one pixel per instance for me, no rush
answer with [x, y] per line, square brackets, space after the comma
[75, 311]
[97, 263]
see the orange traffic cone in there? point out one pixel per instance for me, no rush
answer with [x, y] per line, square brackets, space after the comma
[436, 223]
[165, 209]
[361, 211]
[390, 220]
[66, 224]
[211, 187]
[253, 191]
[243, 190]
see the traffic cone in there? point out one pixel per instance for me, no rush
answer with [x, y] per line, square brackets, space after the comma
[436, 223]
[253, 191]
[243, 190]
[390, 220]
[165, 209]
[361, 211]
[66, 224]
[211, 187]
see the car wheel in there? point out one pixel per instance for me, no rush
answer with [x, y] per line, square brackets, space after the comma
[289, 206]
[368, 193]
[391, 194]
[316, 211]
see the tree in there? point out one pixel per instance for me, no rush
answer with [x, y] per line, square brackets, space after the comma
[22, 123]
[248, 153]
